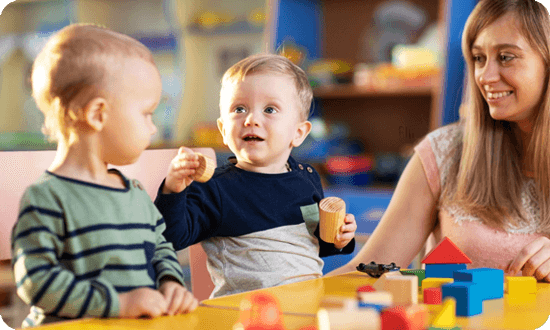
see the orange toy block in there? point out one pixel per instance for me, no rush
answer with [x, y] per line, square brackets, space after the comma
[446, 318]
[414, 317]
[404, 289]
[446, 252]
[520, 285]
[260, 311]
[332, 211]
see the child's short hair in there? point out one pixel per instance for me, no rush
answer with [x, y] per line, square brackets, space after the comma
[265, 63]
[73, 68]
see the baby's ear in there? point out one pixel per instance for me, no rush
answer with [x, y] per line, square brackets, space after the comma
[221, 129]
[95, 113]
[302, 131]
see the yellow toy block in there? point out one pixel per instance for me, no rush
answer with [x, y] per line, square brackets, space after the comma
[520, 285]
[447, 316]
[435, 282]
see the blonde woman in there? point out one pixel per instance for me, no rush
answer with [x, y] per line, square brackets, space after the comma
[484, 182]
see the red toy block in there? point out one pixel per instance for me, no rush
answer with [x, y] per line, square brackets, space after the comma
[446, 252]
[366, 288]
[260, 311]
[432, 296]
[413, 317]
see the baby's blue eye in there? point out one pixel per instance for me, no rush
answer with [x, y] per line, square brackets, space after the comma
[239, 110]
[270, 110]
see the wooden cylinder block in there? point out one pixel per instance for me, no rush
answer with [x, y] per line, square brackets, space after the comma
[332, 211]
[205, 170]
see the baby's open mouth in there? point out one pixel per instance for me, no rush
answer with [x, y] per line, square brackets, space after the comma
[252, 138]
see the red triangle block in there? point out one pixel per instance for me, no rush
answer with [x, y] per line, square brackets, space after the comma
[446, 252]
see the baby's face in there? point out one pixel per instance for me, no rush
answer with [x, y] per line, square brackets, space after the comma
[260, 121]
[129, 128]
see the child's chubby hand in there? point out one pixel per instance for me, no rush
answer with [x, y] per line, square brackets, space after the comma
[142, 302]
[181, 171]
[179, 299]
[347, 232]
[533, 260]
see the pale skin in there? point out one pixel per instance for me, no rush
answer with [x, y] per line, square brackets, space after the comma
[503, 59]
[92, 147]
[266, 106]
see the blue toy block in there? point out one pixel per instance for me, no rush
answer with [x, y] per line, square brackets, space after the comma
[378, 308]
[467, 296]
[490, 279]
[443, 270]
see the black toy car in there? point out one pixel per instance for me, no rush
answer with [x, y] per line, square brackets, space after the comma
[376, 270]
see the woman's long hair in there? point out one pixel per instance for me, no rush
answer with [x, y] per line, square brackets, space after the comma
[488, 180]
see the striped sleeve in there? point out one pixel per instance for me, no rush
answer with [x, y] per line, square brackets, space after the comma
[165, 260]
[41, 279]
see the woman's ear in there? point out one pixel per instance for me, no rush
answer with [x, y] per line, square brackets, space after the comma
[302, 131]
[95, 114]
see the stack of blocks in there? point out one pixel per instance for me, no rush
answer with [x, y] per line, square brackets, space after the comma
[392, 301]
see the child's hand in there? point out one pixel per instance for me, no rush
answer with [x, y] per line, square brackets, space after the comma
[347, 232]
[180, 300]
[181, 170]
[142, 302]
[533, 260]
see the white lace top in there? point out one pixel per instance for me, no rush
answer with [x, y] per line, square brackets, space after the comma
[486, 246]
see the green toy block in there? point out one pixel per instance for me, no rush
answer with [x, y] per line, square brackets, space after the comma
[420, 273]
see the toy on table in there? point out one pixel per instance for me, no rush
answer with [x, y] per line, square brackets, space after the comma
[376, 270]
[205, 170]
[332, 211]
[260, 311]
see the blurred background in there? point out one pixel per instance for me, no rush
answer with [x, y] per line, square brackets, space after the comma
[384, 74]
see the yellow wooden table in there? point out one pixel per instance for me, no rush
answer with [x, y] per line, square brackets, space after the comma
[300, 301]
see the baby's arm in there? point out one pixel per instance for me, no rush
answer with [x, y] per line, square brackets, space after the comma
[40, 278]
[181, 171]
[346, 232]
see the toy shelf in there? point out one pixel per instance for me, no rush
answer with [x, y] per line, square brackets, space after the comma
[354, 91]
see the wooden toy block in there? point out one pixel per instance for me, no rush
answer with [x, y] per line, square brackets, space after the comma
[467, 296]
[490, 279]
[378, 297]
[435, 282]
[446, 318]
[443, 270]
[338, 302]
[205, 170]
[432, 296]
[381, 282]
[520, 285]
[404, 289]
[446, 252]
[332, 211]
[360, 319]
[413, 317]
[420, 273]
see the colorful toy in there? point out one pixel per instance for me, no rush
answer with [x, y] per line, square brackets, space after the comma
[420, 273]
[446, 318]
[332, 211]
[377, 298]
[517, 286]
[432, 296]
[413, 317]
[468, 297]
[261, 311]
[376, 270]
[445, 259]
[490, 279]
[404, 289]
[381, 282]
[435, 282]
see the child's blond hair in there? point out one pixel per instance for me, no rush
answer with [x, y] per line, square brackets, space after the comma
[73, 68]
[269, 63]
